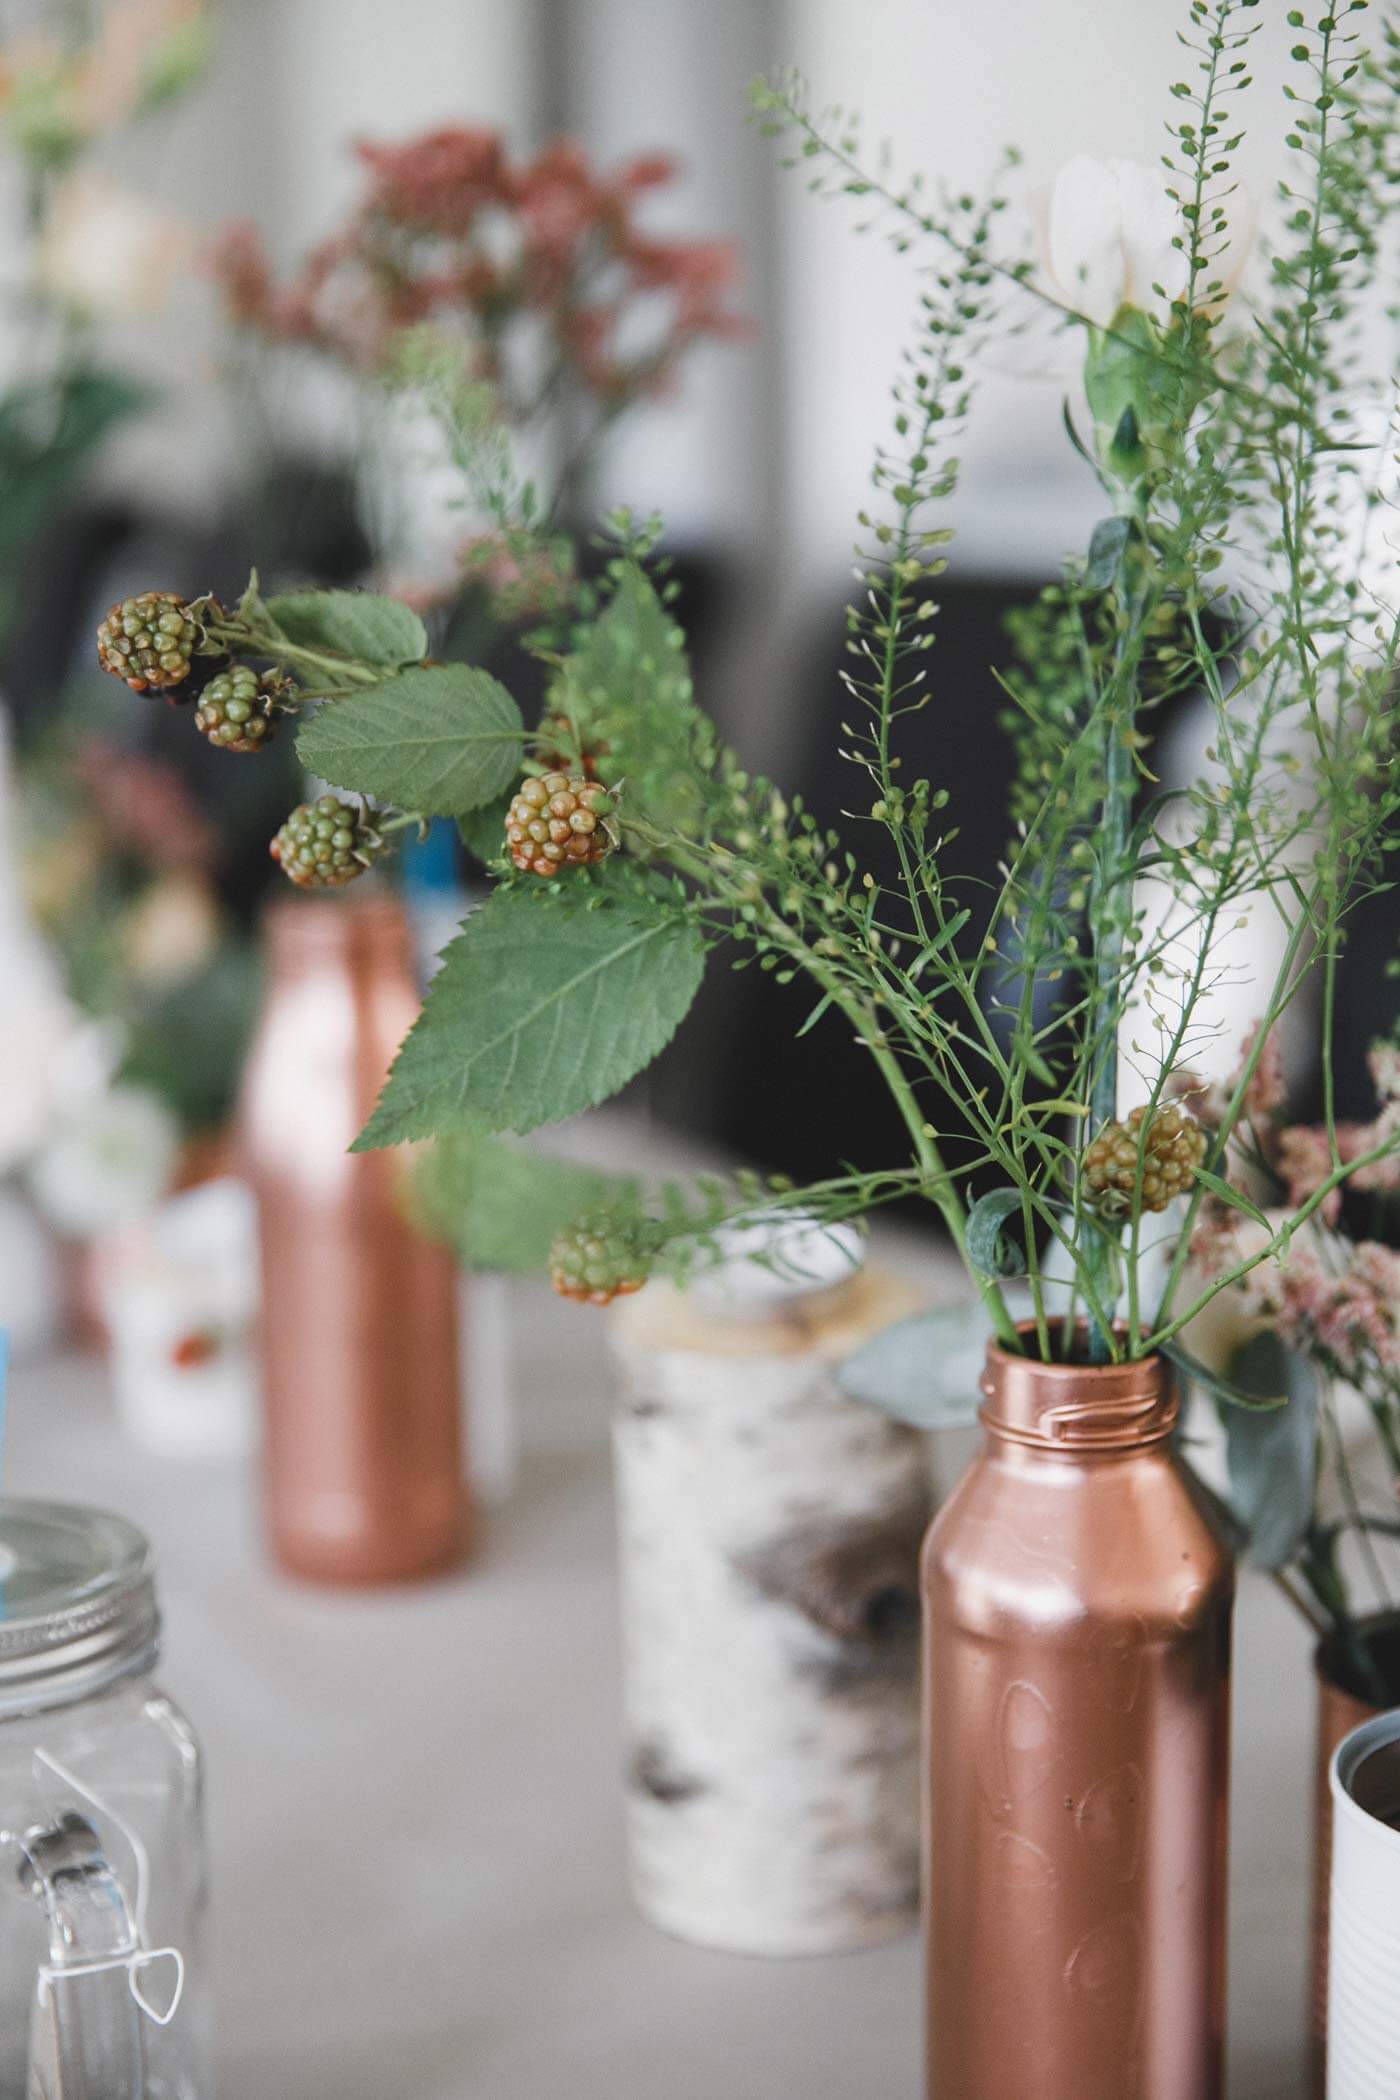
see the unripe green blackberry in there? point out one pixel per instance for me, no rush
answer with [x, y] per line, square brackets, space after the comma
[1172, 1150]
[238, 710]
[562, 821]
[325, 844]
[601, 1257]
[150, 641]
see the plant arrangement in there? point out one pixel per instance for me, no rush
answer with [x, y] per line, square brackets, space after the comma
[1315, 1485]
[506, 295]
[1246, 459]
[92, 250]
[119, 871]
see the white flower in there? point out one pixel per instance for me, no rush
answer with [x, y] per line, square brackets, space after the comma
[110, 1160]
[1111, 235]
[1110, 239]
[107, 252]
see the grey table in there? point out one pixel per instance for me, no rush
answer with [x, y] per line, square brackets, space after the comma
[415, 1810]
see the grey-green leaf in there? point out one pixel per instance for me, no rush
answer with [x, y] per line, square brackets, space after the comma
[988, 1248]
[354, 624]
[1218, 1384]
[1107, 545]
[542, 1007]
[442, 738]
[924, 1371]
[1224, 1192]
[1272, 1456]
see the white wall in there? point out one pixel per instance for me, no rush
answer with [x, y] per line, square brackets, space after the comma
[768, 446]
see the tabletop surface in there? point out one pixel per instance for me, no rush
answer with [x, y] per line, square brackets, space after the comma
[415, 1809]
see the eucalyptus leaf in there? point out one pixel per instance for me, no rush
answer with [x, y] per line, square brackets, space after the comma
[542, 1007]
[1272, 1456]
[1217, 1383]
[354, 624]
[924, 1370]
[442, 738]
[988, 1249]
[1107, 543]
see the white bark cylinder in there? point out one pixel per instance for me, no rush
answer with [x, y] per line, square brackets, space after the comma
[769, 1536]
[1363, 1991]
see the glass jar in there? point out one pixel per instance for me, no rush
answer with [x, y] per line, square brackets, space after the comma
[102, 1876]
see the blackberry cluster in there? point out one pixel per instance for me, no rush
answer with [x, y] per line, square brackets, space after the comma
[238, 710]
[1172, 1150]
[601, 1257]
[151, 641]
[562, 821]
[326, 844]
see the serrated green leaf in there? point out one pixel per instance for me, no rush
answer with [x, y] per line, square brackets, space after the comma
[354, 624]
[541, 1008]
[484, 830]
[1272, 1456]
[442, 738]
[924, 1371]
[498, 1204]
[988, 1248]
[627, 694]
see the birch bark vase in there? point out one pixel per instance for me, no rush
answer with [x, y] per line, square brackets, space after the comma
[769, 1533]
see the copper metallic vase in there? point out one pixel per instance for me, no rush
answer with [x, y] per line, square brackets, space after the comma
[1077, 1605]
[363, 1470]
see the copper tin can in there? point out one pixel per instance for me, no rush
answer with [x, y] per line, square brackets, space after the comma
[1077, 1604]
[363, 1464]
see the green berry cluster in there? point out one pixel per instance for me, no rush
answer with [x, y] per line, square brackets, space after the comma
[150, 641]
[601, 1257]
[562, 821]
[326, 844]
[238, 710]
[1172, 1149]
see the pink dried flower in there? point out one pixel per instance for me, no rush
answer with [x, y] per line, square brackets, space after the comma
[449, 229]
[437, 183]
[1267, 1090]
[1304, 1162]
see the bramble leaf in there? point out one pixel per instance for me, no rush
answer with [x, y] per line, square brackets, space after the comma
[498, 1204]
[441, 738]
[541, 1008]
[354, 624]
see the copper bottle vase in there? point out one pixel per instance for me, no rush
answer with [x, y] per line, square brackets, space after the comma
[362, 1453]
[1077, 1604]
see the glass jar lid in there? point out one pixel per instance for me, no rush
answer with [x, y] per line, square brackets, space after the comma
[77, 1602]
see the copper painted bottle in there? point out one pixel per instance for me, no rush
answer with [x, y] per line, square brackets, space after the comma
[1077, 1605]
[363, 1468]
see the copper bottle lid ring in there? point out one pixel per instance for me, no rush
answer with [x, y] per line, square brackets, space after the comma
[1045, 1406]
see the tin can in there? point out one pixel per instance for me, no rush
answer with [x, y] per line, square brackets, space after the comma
[1077, 1603]
[1363, 1992]
[362, 1459]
